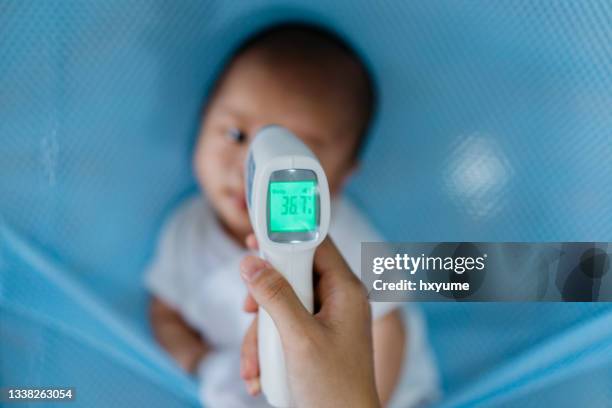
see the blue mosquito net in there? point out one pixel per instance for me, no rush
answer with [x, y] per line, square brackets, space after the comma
[494, 125]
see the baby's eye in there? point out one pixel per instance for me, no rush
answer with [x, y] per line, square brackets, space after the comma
[236, 135]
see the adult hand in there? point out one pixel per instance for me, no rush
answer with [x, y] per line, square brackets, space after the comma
[329, 355]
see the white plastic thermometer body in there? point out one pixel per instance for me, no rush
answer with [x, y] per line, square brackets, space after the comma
[289, 205]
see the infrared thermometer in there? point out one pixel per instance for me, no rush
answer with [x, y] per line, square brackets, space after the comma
[288, 202]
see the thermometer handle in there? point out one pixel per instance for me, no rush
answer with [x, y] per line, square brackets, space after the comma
[296, 267]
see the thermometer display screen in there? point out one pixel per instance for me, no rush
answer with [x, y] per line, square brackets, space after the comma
[292, 206]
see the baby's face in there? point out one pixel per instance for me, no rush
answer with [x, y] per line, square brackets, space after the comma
[255, 93]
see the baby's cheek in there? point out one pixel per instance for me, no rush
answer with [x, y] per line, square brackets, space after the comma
[216, 164]
[210, 172]
[205, 168]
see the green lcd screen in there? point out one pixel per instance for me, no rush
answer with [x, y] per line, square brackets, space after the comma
[292, 206]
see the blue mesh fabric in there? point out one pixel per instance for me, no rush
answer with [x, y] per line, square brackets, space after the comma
[494, 125]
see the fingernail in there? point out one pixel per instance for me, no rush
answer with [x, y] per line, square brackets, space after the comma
[251, 267]
[253, 386]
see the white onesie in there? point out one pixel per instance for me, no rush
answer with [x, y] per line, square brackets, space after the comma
[195, 270]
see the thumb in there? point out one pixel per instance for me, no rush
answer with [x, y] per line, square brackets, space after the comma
[272, 292]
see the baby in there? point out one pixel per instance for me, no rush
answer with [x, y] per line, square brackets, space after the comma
[309, 81]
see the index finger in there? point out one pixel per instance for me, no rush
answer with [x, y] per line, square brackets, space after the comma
[332, 270]
[251, 242]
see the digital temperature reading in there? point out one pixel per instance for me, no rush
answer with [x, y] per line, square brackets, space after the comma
[293, 206]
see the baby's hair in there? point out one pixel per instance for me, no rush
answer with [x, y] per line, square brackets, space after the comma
[316, 43]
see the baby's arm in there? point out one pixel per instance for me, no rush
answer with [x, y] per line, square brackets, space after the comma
[389, 350]
[181, 341]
